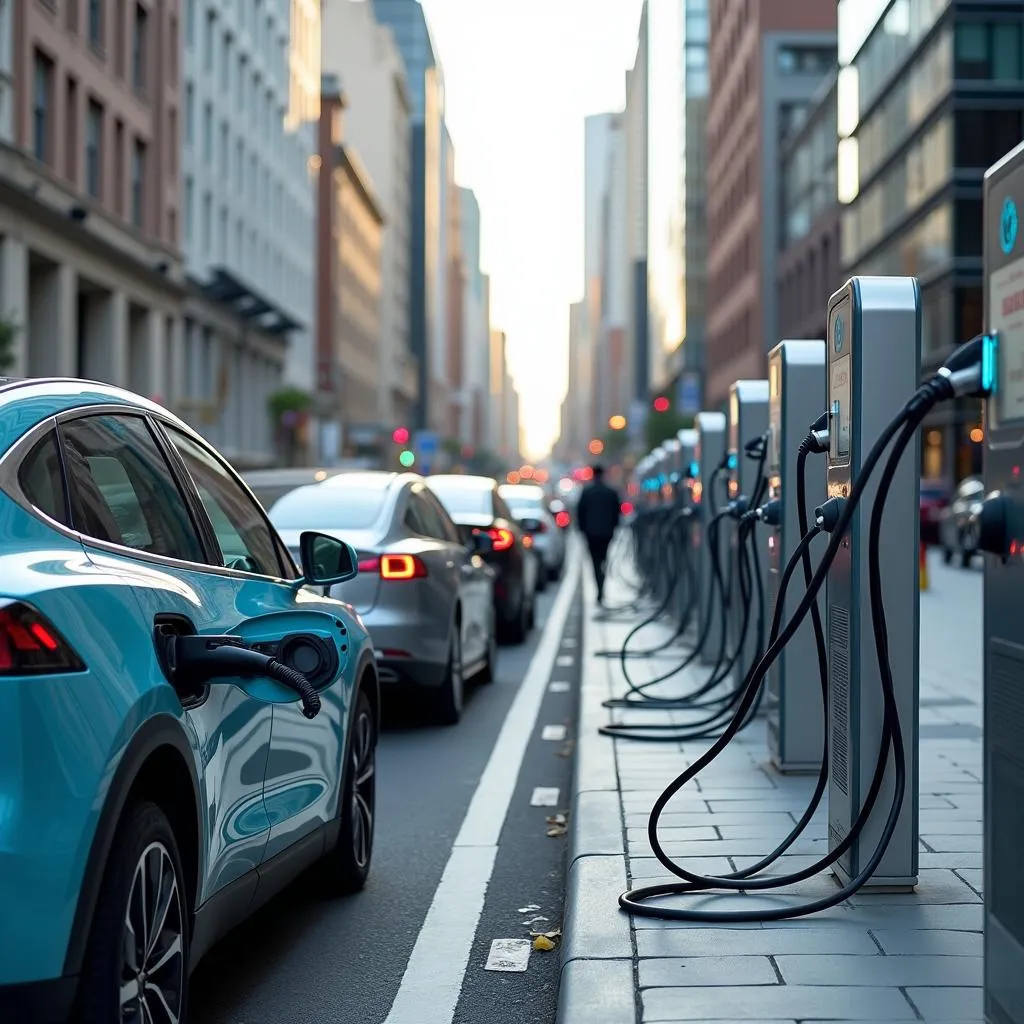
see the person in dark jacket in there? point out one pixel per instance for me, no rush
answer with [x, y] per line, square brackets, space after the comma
[597, 516]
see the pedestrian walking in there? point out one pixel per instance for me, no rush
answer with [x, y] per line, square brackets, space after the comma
[597, 516]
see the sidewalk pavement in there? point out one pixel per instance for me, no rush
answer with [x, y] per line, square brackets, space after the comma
[880, 958]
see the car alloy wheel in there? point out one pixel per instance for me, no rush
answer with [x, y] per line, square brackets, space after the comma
[153, 967]
[364, 786]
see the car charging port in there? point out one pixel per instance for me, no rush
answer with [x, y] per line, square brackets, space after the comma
[191, 662]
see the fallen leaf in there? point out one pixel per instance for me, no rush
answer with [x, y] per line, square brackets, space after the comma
[556, 831]
[567, 750]
[543, 944]
[556, 934]
[555, 819]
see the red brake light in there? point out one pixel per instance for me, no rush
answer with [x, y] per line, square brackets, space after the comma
[562, 519]
[627, 508]
[369, 565]
[401, 567]
[29, 645]
[501, 538]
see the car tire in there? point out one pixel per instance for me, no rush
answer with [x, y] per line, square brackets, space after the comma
[346, 867]
[144, 857]
[520, 627]
[449, 698]
[965, 559]
[542, 579]
[947, 556]
[555, 574]
[531, 619]
[489, 673]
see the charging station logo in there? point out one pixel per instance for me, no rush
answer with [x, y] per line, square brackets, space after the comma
[837, 334]
[1008, 226]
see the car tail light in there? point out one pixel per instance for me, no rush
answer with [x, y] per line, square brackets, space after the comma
[369, 564]
[501, 538]
[401, 567]
[29, 645]
[562, 519]
[527, 541]
[627, 508]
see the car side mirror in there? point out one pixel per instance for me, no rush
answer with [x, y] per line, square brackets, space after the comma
[326, 560]
[481, 543]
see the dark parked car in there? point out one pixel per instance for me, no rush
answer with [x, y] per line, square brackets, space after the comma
[934, 498]
[954, 537]
[475, 505]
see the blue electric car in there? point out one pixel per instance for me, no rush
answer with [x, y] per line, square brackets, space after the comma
[186, 721]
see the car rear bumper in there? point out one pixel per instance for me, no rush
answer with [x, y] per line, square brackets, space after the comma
[421, 675]
[38, 1002]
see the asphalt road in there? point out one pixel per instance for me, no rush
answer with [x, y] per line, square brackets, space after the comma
[306, 959]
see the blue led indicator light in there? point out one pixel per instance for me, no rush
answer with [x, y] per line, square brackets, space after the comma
[989, 352]
[1008, 224]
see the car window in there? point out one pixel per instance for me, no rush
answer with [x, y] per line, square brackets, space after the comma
[412, 520]
[315, 507]
[427, 515]
[501, 510]
[123, 490]
[245, 537]
[42, 480]
[450, 530]
[462, 500]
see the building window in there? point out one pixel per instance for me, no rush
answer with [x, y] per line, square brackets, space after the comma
[119, 47]
[42, 106]
[172, 130]
[205, 218]
[119, 167]
[989, 51]
[138, 183]
[96, 24]
[985, 136]
[140, 45]
[94, 149]
[190, 113]
[189, 199]
[211, 29]
[172, 58]
[207, 133]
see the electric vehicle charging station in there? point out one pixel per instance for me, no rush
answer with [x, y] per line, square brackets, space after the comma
[710, 450]
[796, 398]
[748, 420]
[998, 528]
[687, 471]
[874, 362]
[671, 448]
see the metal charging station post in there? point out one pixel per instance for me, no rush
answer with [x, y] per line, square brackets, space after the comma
[710, 428]
[1000, 531]
[793, 698]
[748, 421]
[687, 456]
[874, 366]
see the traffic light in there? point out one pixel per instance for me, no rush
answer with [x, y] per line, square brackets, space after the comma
[661, 404]
[406, 459]
[401, 436]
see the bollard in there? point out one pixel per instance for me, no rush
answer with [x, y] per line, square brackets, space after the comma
[923, 567]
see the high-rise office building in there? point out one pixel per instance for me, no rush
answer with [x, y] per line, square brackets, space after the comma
[476, 326]
[763, 58]
[428, 252]
[90, 272]
[930, 94]
[363, 55]
[251, 102]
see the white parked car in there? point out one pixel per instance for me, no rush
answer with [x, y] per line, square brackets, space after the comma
[529, 505]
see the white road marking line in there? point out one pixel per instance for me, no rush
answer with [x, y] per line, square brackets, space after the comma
[564, 660]
[544, 796]
[553, 732]
[559, 687]
[569, 641]
[430, 988]
[508, 955]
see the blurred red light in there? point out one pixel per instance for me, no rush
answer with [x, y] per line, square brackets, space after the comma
[400, 436]
[661, 404]
[562, 519]
[627, 508]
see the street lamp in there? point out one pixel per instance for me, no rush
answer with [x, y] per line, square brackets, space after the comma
[617, 422]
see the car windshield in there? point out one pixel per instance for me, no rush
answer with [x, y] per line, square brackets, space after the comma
[459, 499]
[338, 508]
[523, 504]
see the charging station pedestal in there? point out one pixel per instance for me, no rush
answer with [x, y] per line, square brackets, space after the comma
[687, 455]
[874, 366]
[796, 398]
[710, 428]
[748, 421]
[1000, 526]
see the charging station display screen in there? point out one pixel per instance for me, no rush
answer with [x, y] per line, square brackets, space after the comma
[774, 418]
[1006, 318]
[734, 421]
[840, 379]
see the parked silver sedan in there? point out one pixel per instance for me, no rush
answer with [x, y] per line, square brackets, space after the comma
[425, 595]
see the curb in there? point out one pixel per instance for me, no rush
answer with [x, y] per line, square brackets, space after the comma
[596, 978]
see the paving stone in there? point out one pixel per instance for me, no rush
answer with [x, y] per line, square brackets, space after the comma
[941, 1004]
[796, 1002]
[928, 942]
[707, 970]
[768, 941]
[953, 844]
[595, 825]
[901, 971]
[647, 868]
[594, 927]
